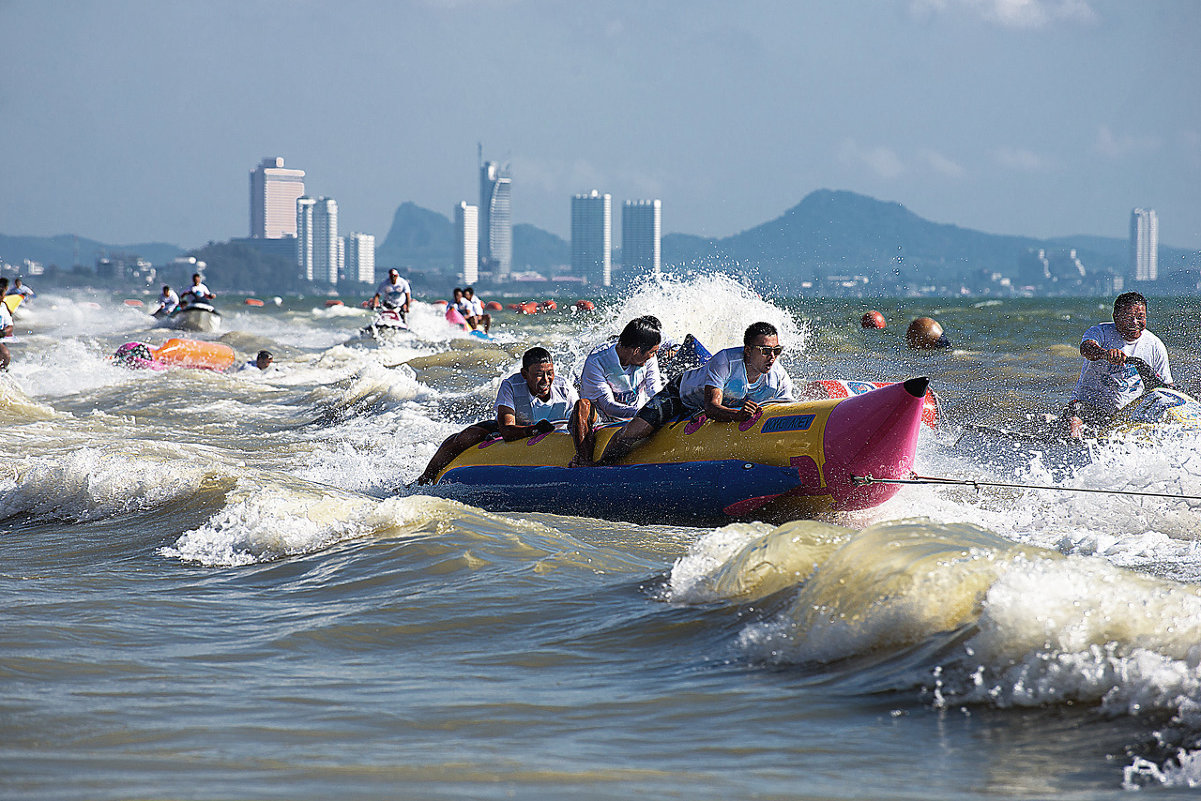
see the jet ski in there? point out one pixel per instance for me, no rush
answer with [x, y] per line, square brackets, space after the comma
[386, 322]
[196, 316]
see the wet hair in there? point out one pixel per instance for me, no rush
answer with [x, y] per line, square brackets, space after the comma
[640, 334]
[759, 329]
[468, 290]
[456, 289]
[535, 356]
[263, 354]
[1126, 300]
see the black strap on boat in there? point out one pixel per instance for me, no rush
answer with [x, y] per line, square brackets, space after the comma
[863, 481]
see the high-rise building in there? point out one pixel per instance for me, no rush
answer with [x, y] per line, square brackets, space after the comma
[360, 258]
[273, 194]
[592, 237]
[467, 238]
[641, 234]
[327, 245]
[495, 219]
[1144, 244]
[318, 247]
[304, 236]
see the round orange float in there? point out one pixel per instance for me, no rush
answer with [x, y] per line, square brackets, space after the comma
[872, 319]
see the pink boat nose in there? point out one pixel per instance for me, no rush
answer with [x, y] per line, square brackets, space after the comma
[872, 434]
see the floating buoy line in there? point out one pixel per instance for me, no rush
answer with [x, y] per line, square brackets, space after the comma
[914, 478]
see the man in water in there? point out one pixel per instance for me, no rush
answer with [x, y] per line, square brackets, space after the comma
[478, 317]
[617, 380]
[729, 388]
[197, 291]
[532, 401]
[1107, 382]
[261, 362]
[394, 293]
[167, 302]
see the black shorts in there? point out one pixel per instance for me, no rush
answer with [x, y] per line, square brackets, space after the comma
[491, 426]
[665, 406]
[1093, 415]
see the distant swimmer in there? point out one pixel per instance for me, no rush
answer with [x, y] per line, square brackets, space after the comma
[167, 302]
[617, 379]
[925, 333]
[730, 387]
[532, 401]
[196, 292]
[393, 293]
[1107, 381]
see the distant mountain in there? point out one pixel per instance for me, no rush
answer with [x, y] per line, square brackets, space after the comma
[61, 250]
[831, 232]
[536, 249]
[423, 239]
[418, 238]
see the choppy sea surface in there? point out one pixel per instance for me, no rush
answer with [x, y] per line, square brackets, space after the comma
[219, 586]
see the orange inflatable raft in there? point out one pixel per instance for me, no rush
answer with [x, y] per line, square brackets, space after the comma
[177, 352]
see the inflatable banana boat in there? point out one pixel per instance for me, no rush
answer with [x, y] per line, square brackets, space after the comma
[791, 461]
[176, 353]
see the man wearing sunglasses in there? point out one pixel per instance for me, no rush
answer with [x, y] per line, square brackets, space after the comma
[730, 387]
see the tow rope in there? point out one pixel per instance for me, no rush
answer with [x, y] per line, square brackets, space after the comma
[863, 481]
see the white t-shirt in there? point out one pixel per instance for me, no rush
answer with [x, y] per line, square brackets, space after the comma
[477, 306]
[169, 301]
[514, 393]
[6, 318]
[199, 291]
[727, 371]
[618, 392]
[393, 294]
[1110, 387]
[463, 307]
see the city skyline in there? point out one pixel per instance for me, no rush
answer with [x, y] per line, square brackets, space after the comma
[1041, 118]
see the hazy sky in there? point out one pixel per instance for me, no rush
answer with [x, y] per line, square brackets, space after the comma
[129, 121]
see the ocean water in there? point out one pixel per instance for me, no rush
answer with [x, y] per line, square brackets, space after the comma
[218, 586]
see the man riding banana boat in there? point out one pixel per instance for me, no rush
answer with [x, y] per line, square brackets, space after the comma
[744, 450]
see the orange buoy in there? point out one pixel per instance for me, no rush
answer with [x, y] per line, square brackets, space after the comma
[440, 303]
[529, 307]
[872, 319]
[548, 305]
[331, 303]
[926, 334]
[253, 302]
[194, 353]
[133, 302]
[585, 305]
[493, 305]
